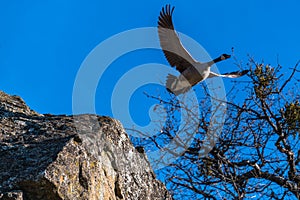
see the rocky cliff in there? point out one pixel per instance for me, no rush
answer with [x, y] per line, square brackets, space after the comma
[69, 157]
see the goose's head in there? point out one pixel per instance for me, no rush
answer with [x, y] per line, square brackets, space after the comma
[225, 56]
[220, 58]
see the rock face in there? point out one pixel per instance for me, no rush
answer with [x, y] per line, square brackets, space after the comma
[84, 157]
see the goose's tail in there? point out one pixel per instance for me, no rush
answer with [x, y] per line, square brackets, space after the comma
[176, 86]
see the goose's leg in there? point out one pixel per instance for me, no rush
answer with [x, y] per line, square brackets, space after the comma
[229, 75]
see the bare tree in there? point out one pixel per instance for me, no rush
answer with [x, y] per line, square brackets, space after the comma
[257, 155]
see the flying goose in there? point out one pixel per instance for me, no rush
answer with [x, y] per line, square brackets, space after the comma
[191, 71]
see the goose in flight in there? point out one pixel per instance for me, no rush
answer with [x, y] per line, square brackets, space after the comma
[191, 71]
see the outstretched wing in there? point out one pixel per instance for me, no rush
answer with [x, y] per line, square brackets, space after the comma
[229, 75]
[174, 52]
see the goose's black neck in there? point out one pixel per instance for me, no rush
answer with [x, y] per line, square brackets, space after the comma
[220, 58]
[217, 59]
[214, 61]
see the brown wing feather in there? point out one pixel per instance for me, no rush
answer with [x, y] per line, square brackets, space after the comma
[174, 52]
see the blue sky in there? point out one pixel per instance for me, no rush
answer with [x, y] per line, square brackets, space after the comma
[43, 43]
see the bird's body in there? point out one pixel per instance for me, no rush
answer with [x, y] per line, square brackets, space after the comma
[188, 78]
[197, 73]
[191, 71]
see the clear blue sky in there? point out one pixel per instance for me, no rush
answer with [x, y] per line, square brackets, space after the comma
[43, 43]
